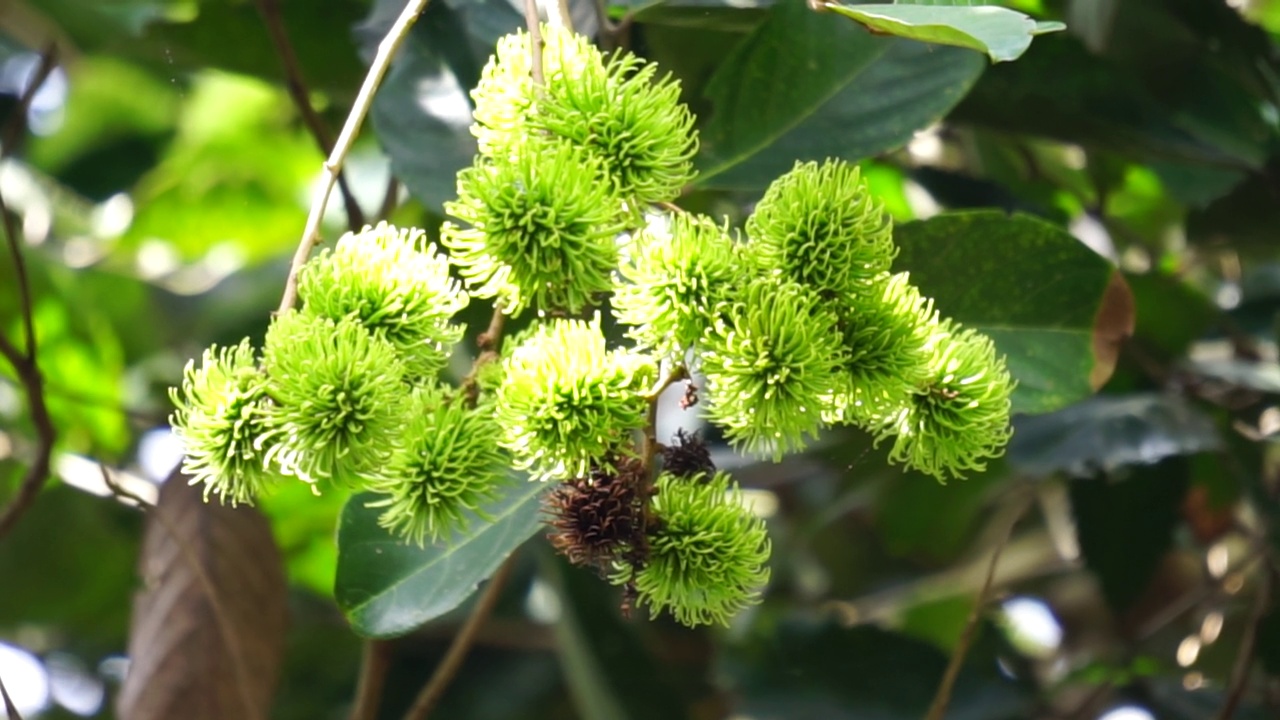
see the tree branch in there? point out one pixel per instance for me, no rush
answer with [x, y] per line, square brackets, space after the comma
[649, 440]
[453, 658]
[943, 696]
[9, 708]
[566, 17]
[534, 26]
[373, 676]
[359, 110]
[270, 11]
[25, 363]
[15, 131]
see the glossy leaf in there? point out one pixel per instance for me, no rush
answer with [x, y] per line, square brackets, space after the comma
[387, 587]
[1001, 33]
[1056, 309]
[196, 39]
[840, 93]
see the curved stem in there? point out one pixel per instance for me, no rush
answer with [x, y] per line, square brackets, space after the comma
[359, 110]
[942, 697]
[25, 363]
[532, 22]
[9, 708]
[374, 664]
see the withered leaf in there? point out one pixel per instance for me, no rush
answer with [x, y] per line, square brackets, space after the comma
[207, 635]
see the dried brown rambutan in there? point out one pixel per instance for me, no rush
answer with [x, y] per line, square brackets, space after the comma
[687, 456]
[597, 519]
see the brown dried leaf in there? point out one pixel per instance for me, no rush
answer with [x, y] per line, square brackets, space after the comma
[1113, 325]
[207, 635]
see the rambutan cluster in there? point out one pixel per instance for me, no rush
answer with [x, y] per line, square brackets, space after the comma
[796, 322]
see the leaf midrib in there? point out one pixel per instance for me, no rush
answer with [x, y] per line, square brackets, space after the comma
[453, 550]
[799, 118]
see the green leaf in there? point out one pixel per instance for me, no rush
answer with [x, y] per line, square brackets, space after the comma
[1001, 33]
[1172, 313]
[233, 174]
[387, 587]
[713, 16]
[840, 93]
[1056, 309]
[1268, 647]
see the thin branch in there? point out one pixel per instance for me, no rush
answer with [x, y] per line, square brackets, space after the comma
[271, 16]
[1197, 595]
[15, 131]
[943, 696]
[359, 110]
[649, 441]
[448, 667]
[612, 35]
[490, 344]
[1244, 657]
[38, 472]
[373, 676]
[10, 709]
[25, 363]
[566, 17]
[532, 22]
[13, 134]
